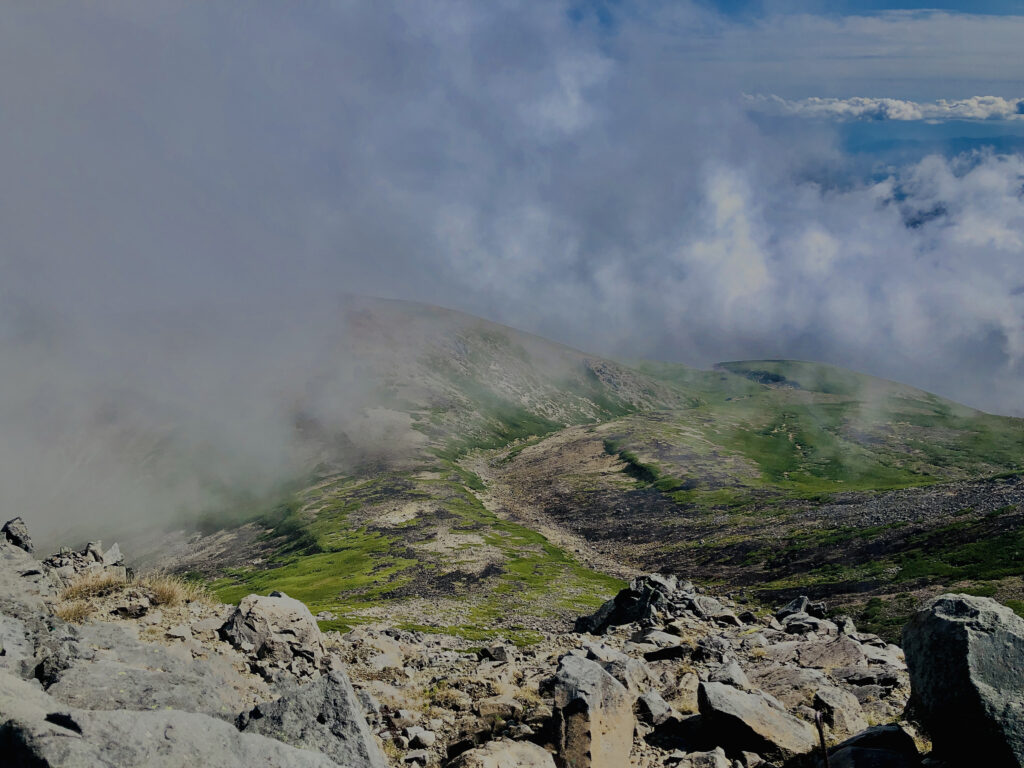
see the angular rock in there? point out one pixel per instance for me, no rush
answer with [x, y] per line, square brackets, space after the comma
[16, 532]
[113, 556]
[279, 629]
[840, 709]
[653, 709]
[325, 716]
[642, 599]
[797, 605]
[503, 707]
[504, 753]
[841, 652]
[883, 746]
[753, 722]
[732, 674]
[966, 660]
[632, 673]
[36, 730]
[593, 716]
[714, 759]
[106, 666]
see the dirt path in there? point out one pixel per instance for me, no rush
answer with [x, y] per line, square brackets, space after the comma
[507, 497]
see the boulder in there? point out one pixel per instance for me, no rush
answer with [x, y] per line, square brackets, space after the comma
[505, 753]
[16, 532]
[841, 652]
[632, 673]
[36, 730]
[714, 759]
[840, 710]
[325, 716]
[653, 709]
[797, 605]
[883, 746]
[593, 716]
[277, 628]
[105, 666]
[966, 661]
[642, 599]
[753, 722]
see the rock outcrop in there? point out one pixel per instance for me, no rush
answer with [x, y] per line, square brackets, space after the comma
[39, 731]
[279, 632]
[16, 532]
[966, 661]
[753, 722]
[325, 716]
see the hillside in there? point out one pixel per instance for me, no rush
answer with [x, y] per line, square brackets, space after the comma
[492, 480]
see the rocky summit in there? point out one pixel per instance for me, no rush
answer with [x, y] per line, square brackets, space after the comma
[101, 668]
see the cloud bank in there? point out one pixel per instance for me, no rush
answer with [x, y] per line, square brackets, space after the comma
[188, 189]
[864, 108]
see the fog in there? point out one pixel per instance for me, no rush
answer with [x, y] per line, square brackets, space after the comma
[189, 189]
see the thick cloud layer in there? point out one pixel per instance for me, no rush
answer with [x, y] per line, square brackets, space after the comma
[596, 179]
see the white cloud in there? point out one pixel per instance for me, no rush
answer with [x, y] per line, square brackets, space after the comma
[865, 108]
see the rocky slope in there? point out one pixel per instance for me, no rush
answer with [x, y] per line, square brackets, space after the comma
[662, 675]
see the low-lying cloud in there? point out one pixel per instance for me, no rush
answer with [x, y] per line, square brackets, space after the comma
[865, 108]
[188, 189]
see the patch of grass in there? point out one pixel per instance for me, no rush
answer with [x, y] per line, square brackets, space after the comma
[95, 583]
[1017, 606]
[171, 589]
[73, 611]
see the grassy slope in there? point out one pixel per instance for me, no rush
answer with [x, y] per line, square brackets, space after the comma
[796, 434]
[736, 440]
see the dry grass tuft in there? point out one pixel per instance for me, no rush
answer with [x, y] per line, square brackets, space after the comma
[92, 584]
[73, 611]
[169, 589]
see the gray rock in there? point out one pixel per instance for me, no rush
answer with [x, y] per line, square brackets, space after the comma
[840, 710]
[107, 667]
[36, 730]
[753, 722]
[653, 709]
[841, 652]
[966, 661]
[714, 759]
[16, 644]
[797, 605]
[883, 746]
[325, 716]
[278, 628]
[504, 753]
[732, 674]
[642, 599]
[113, 556]
[593, 716]
[16, 532]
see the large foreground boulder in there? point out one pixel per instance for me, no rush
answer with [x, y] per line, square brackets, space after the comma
[276, 629]
[324, 716]
[754, 722]
[38, 731]
[966, 660]
[593, 716]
